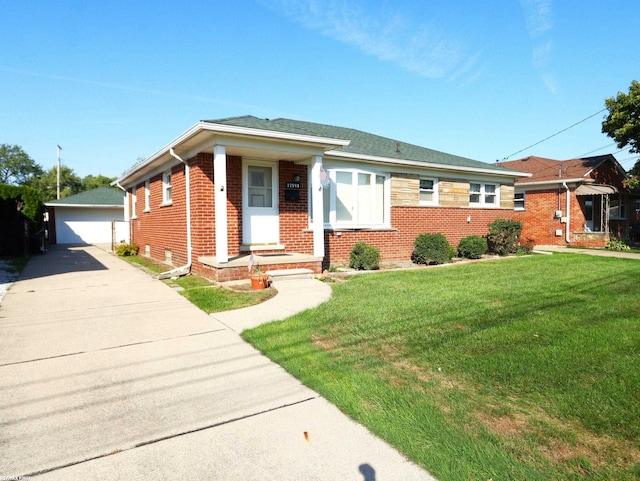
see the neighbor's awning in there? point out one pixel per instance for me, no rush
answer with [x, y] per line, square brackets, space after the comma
[596, 189]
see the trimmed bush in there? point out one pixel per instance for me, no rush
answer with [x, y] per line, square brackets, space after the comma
[127, 250]
[364, 257]
[432, 249]
[472, 247]
[504, 236]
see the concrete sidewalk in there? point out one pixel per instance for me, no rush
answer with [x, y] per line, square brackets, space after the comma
[591, 252]
[106, 373]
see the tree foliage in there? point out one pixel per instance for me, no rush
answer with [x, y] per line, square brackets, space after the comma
[95, 181]
[47, 183]
[622, 124]
[16, 167]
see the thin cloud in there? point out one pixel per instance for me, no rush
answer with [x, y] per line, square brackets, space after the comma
[538, 17]
[116, 86]
[542, 54]
[392, 36]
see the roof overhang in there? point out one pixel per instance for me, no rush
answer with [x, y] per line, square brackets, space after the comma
[85, 206]
[241, 141]
[428, 165]
[596, 189]
[556, 182]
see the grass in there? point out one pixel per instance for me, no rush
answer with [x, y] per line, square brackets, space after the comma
[202, 292]
[522, 368]
[13, 264]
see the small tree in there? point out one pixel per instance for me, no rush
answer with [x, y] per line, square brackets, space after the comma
[504, 236]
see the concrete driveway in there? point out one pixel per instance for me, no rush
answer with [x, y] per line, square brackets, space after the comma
[106, 373]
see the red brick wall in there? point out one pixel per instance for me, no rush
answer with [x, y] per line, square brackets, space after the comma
[294, 215]
[539, 223]
[162, 227]
[407, 224]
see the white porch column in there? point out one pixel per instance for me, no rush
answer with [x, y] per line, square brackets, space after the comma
[220, 202]
[317, 207]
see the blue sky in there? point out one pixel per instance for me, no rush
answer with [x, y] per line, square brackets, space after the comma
[115, 81]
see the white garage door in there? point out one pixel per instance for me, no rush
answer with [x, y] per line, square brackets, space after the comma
[86, 226]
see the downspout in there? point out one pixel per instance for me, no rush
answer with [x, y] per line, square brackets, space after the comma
[185, 269]
[568, 231]
[126, 214]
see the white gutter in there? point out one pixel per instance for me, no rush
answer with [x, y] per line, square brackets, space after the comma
[558, 181]
[185, 269]
[568, 233]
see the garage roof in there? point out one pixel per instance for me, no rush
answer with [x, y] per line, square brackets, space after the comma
[100, 197]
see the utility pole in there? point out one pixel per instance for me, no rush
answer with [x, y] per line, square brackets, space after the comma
[58, 179]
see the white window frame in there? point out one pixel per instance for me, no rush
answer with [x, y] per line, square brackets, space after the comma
[167, 188]
[434, 191]
[483, 195]
[523, 201]
[134, 203]
[333, 223]
[147, 196]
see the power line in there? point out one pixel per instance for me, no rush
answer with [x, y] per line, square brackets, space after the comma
[595, 150]
[557, 133]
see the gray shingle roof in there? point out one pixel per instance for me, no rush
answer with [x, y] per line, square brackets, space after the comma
[362, 143]
[94, 197]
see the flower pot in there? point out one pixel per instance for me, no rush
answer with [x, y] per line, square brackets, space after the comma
[259, 282]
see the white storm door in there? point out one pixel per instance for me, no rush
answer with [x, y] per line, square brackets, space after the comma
[260, 219]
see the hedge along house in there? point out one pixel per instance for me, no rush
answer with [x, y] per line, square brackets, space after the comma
[579, 201]
[300, 194]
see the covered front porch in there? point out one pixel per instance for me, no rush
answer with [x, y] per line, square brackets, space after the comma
[595, 204]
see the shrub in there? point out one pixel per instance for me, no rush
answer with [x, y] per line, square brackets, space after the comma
[364, 257]
[526, 247]
[472, 247]
[617, 245]
[127, 250]
[432, 249]
[504, 235]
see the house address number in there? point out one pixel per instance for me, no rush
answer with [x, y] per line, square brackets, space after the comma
[293, 185]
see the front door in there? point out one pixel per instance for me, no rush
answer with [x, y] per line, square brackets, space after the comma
[588, 214]
[260, 220]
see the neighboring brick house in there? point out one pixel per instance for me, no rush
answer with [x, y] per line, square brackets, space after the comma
[301, 194]
[580, 201]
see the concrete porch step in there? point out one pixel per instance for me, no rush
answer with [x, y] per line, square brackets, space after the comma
[289, 274]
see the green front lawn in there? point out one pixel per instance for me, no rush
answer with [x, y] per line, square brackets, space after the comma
[521, 369]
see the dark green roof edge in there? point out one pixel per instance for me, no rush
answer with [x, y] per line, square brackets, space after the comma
[361, 143]
[100, 196]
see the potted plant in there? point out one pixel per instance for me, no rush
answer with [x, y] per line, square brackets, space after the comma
[259, 280]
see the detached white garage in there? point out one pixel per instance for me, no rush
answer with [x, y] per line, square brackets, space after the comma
[92, 217]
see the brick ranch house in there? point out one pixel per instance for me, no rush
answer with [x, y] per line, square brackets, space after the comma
[301, 194]
[579, 201]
